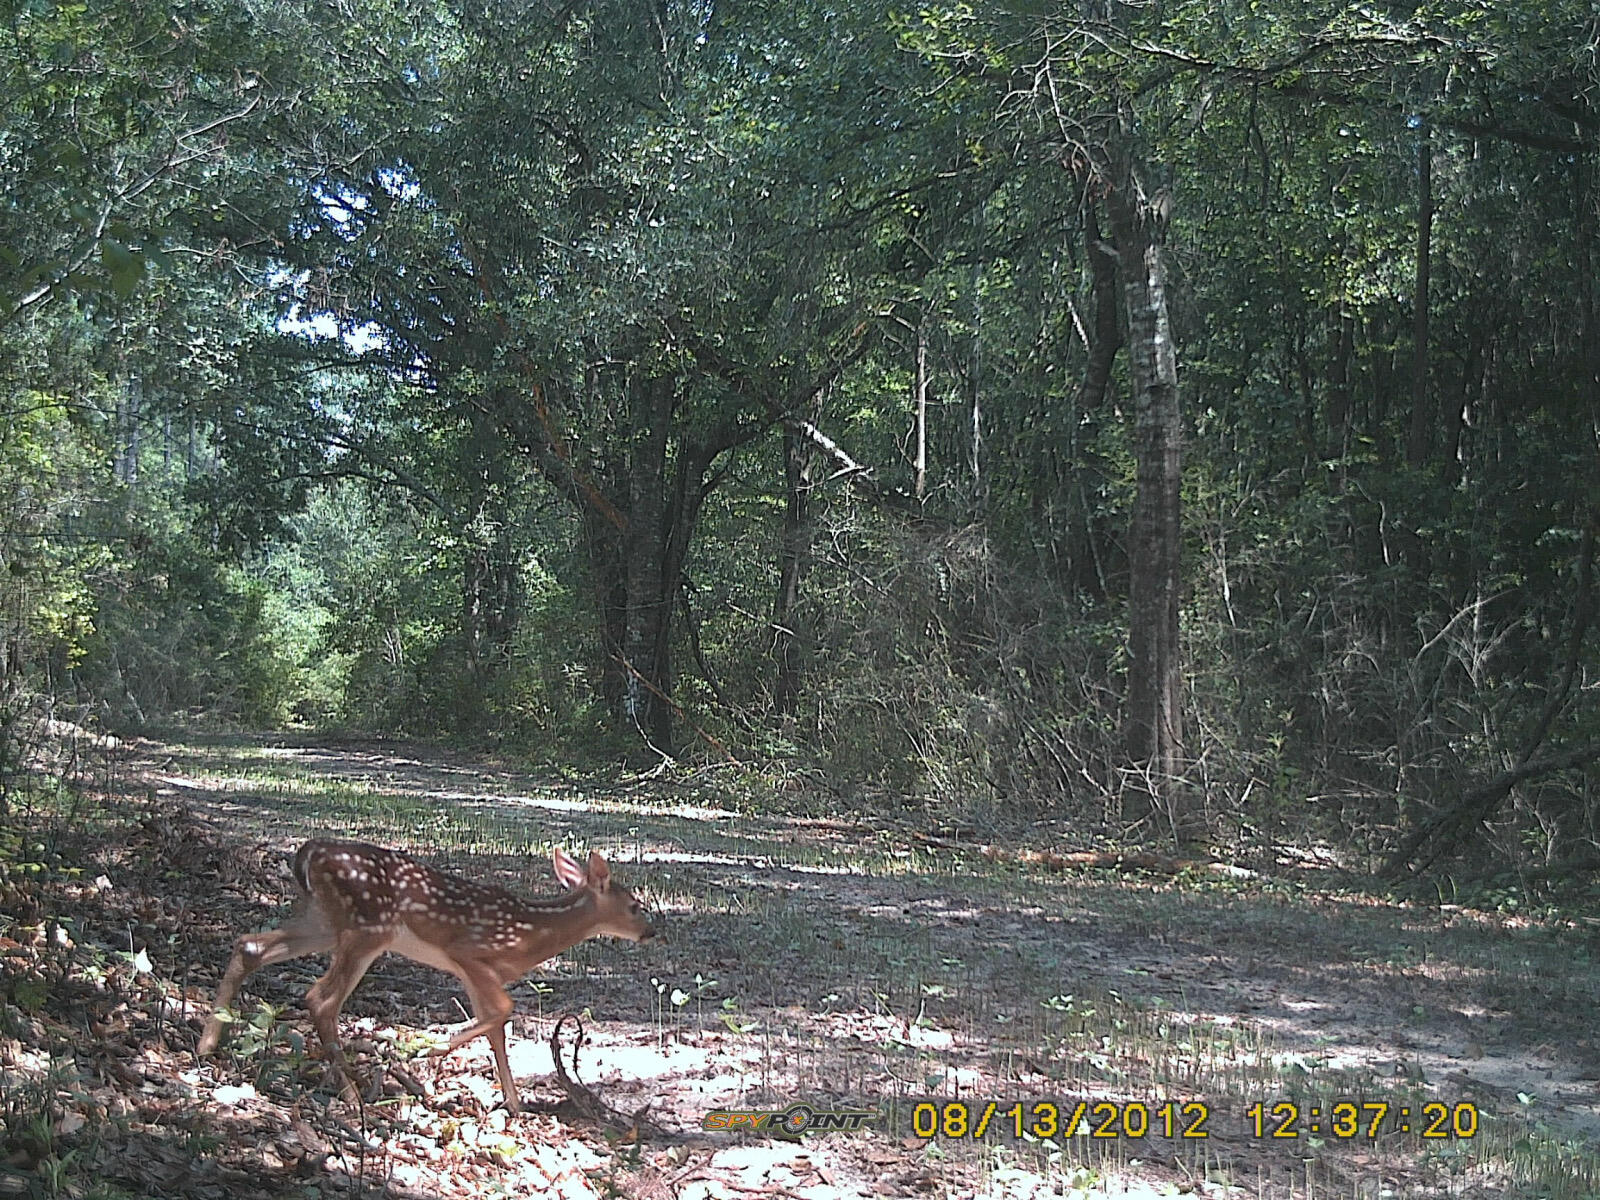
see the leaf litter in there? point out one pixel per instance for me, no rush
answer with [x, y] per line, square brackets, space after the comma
[111, 949]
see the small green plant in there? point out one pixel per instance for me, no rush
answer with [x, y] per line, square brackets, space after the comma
[730, 1018]
[542, 991]
[55, 1173]
[668, 1003]
[31, 1118]
[702, 985]
[259, 1037]
[659, 1009]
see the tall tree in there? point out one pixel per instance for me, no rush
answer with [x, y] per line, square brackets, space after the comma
[1154, 713]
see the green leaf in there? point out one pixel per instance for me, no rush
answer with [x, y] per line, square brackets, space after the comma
[30, 995]
[124, 266]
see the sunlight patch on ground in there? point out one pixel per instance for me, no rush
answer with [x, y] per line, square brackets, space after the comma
[777, 1169]
[700, 858]
[692, 812]
[547, 803]
[530, 1059]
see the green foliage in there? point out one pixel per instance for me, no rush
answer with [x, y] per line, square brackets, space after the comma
[47, 468]
[178, 637]
[108, 584]
[368, 600]
[422, 370]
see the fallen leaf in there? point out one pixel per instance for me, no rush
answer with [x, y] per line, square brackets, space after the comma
[69, 1124]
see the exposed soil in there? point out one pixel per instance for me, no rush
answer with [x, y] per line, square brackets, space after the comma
[840, 962]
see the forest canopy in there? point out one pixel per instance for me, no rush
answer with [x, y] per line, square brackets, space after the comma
[1180, 417]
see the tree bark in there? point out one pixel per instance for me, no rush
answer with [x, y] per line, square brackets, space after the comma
[1107, 336]
[1086, 538]
[920, 401]
[1336, 436]
[1420, 437]
[1153, 719]
[787, 647]
[603, 546]
[975, 392]
[646, 665]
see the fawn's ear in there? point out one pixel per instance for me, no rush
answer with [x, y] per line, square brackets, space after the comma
[571, 875]
[599, 871]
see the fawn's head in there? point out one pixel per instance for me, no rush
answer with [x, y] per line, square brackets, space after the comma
[617, 911]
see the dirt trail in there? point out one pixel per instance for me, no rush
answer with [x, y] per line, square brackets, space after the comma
[836, 960]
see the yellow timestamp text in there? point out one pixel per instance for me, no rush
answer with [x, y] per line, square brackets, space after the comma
[1049, 1119]
[1368, 1119]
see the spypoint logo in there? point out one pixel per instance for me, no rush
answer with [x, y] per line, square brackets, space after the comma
[797, 1119]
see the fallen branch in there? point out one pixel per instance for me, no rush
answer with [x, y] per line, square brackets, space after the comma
[1445, 829]
[1104, 860]
[589, 1105]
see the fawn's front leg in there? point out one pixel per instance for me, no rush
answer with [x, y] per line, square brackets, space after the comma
[305, 933]
[491, 1009]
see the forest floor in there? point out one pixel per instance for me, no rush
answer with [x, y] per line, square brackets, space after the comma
[843, 961]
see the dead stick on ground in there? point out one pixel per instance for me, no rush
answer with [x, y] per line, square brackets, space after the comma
[590, 1105]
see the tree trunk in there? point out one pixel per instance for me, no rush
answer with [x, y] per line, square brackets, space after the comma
[1456, 415]
[125, 456]
[639, 511]
[975, 392]
[490, 604]
[787, 646]
[604, 551]
[1153, 722]
[1088, 537]
[920, 402]
[1417, 443]
[646, 665]
[1336, 435]
[1584, 213]
[1107, 337]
